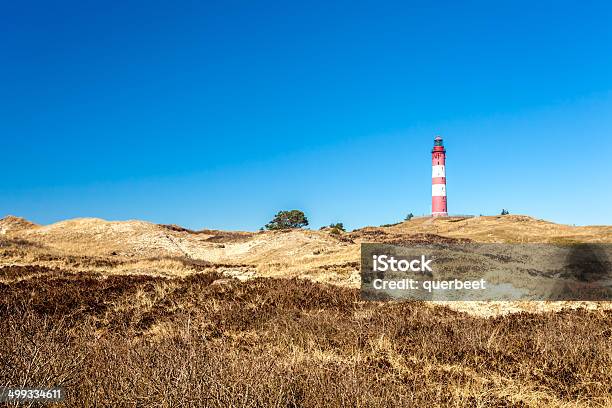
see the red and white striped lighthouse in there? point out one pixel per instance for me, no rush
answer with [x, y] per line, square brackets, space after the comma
[438, 179]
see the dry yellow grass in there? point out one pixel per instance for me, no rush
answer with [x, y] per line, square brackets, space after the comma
[505, 229]
[142, 248]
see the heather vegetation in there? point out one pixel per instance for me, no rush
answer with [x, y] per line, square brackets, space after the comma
[206, 340]
[138, 314]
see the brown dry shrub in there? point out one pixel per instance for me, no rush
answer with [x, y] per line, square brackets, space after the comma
[209, 341]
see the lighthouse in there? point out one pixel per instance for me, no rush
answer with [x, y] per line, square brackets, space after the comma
[438, 179]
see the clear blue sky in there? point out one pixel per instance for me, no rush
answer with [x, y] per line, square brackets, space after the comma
[219, 114]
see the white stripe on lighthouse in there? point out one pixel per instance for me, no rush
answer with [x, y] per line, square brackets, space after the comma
[438, 190]
[438, 171]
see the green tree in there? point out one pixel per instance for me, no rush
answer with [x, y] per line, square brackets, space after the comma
[505, 212]
[338, 226]
[287, 220]
[408, 217]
